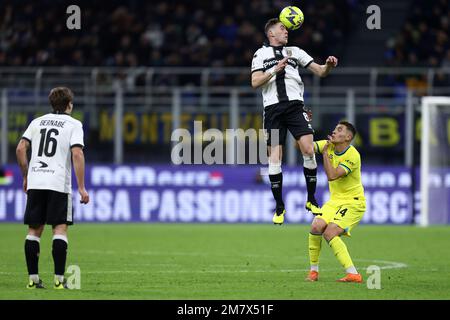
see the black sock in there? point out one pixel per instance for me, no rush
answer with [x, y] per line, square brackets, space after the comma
[311, 182]
[59, 253]
[32, 256]
[276, 181]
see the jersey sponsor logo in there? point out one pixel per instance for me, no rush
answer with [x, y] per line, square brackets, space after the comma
[267, 64]
[36, 169]
[292, 63]
[43, 164]
[42, 167]
[350, 162]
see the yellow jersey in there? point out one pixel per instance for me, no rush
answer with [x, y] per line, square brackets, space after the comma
[349, 186]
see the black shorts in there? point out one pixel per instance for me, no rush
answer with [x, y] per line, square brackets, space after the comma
[48, 207]
[283, 116]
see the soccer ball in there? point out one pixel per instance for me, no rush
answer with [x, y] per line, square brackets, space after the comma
[292, 17]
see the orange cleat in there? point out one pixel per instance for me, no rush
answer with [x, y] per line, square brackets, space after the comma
[312, 276]
[350, 277]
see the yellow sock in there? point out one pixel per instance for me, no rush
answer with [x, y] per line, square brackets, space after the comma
[315, 242]
[341, 252]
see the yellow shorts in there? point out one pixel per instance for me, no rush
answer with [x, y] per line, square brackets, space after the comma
[346, 214]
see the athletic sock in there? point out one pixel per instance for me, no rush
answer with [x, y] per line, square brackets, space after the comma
[315, 243]
[34, 278]
[32, 249]
[59, 253]
[340, 251]
[276, 182]
[352, 270]
[311, 182]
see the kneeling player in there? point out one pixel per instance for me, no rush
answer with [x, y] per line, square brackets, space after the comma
[346, 207]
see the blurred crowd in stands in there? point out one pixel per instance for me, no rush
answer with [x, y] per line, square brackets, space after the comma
[159, 33]
[424, 38]
[423, 41]
[198, 33]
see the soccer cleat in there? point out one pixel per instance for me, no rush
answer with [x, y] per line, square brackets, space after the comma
[34, 285]
[314, 208]
[278, 218]
[312, 276]
[350, 277]
[60, 285]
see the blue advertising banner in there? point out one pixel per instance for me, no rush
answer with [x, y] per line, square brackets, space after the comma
[214, 194]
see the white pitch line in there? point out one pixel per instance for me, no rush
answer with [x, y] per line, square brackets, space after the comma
[176, 253]
[390, 264]
[386, 265]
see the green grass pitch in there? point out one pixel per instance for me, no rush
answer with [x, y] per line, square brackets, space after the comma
[207, 261]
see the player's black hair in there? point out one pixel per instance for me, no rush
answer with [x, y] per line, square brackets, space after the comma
[269, 24]
[349, 126]
[59, 98]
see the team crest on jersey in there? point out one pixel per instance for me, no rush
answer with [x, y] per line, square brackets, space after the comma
[289, 52]
[330, 156]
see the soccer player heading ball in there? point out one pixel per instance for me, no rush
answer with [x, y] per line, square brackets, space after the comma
[292, 17]
[347, 204]
[275, 70]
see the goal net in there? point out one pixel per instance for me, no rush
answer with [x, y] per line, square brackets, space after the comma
[435, 161]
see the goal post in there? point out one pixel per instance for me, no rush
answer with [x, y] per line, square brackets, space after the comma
[435, 161]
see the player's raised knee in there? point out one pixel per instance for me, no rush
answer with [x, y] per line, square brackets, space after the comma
[318, 226]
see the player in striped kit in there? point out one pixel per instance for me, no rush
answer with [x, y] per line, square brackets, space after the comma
[275, 71]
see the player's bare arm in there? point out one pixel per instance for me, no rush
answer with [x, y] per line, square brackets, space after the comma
[324, 69]
[332, 173]
[22, 159]
[260, 78]
[78, 165]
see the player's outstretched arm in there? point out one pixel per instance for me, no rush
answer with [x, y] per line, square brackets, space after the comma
[22, 160]
[78, 165]
[324, 69]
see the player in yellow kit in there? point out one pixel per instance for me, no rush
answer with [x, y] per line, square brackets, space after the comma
[346, 207]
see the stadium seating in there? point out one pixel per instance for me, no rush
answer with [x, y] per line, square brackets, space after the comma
[424, 38]
[157, 33]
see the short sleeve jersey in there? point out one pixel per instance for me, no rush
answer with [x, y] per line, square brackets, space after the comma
[286, 85]
[349, 186]
[52, 136]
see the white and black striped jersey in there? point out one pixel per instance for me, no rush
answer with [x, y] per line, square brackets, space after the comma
[286, 85]
[51, 137]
